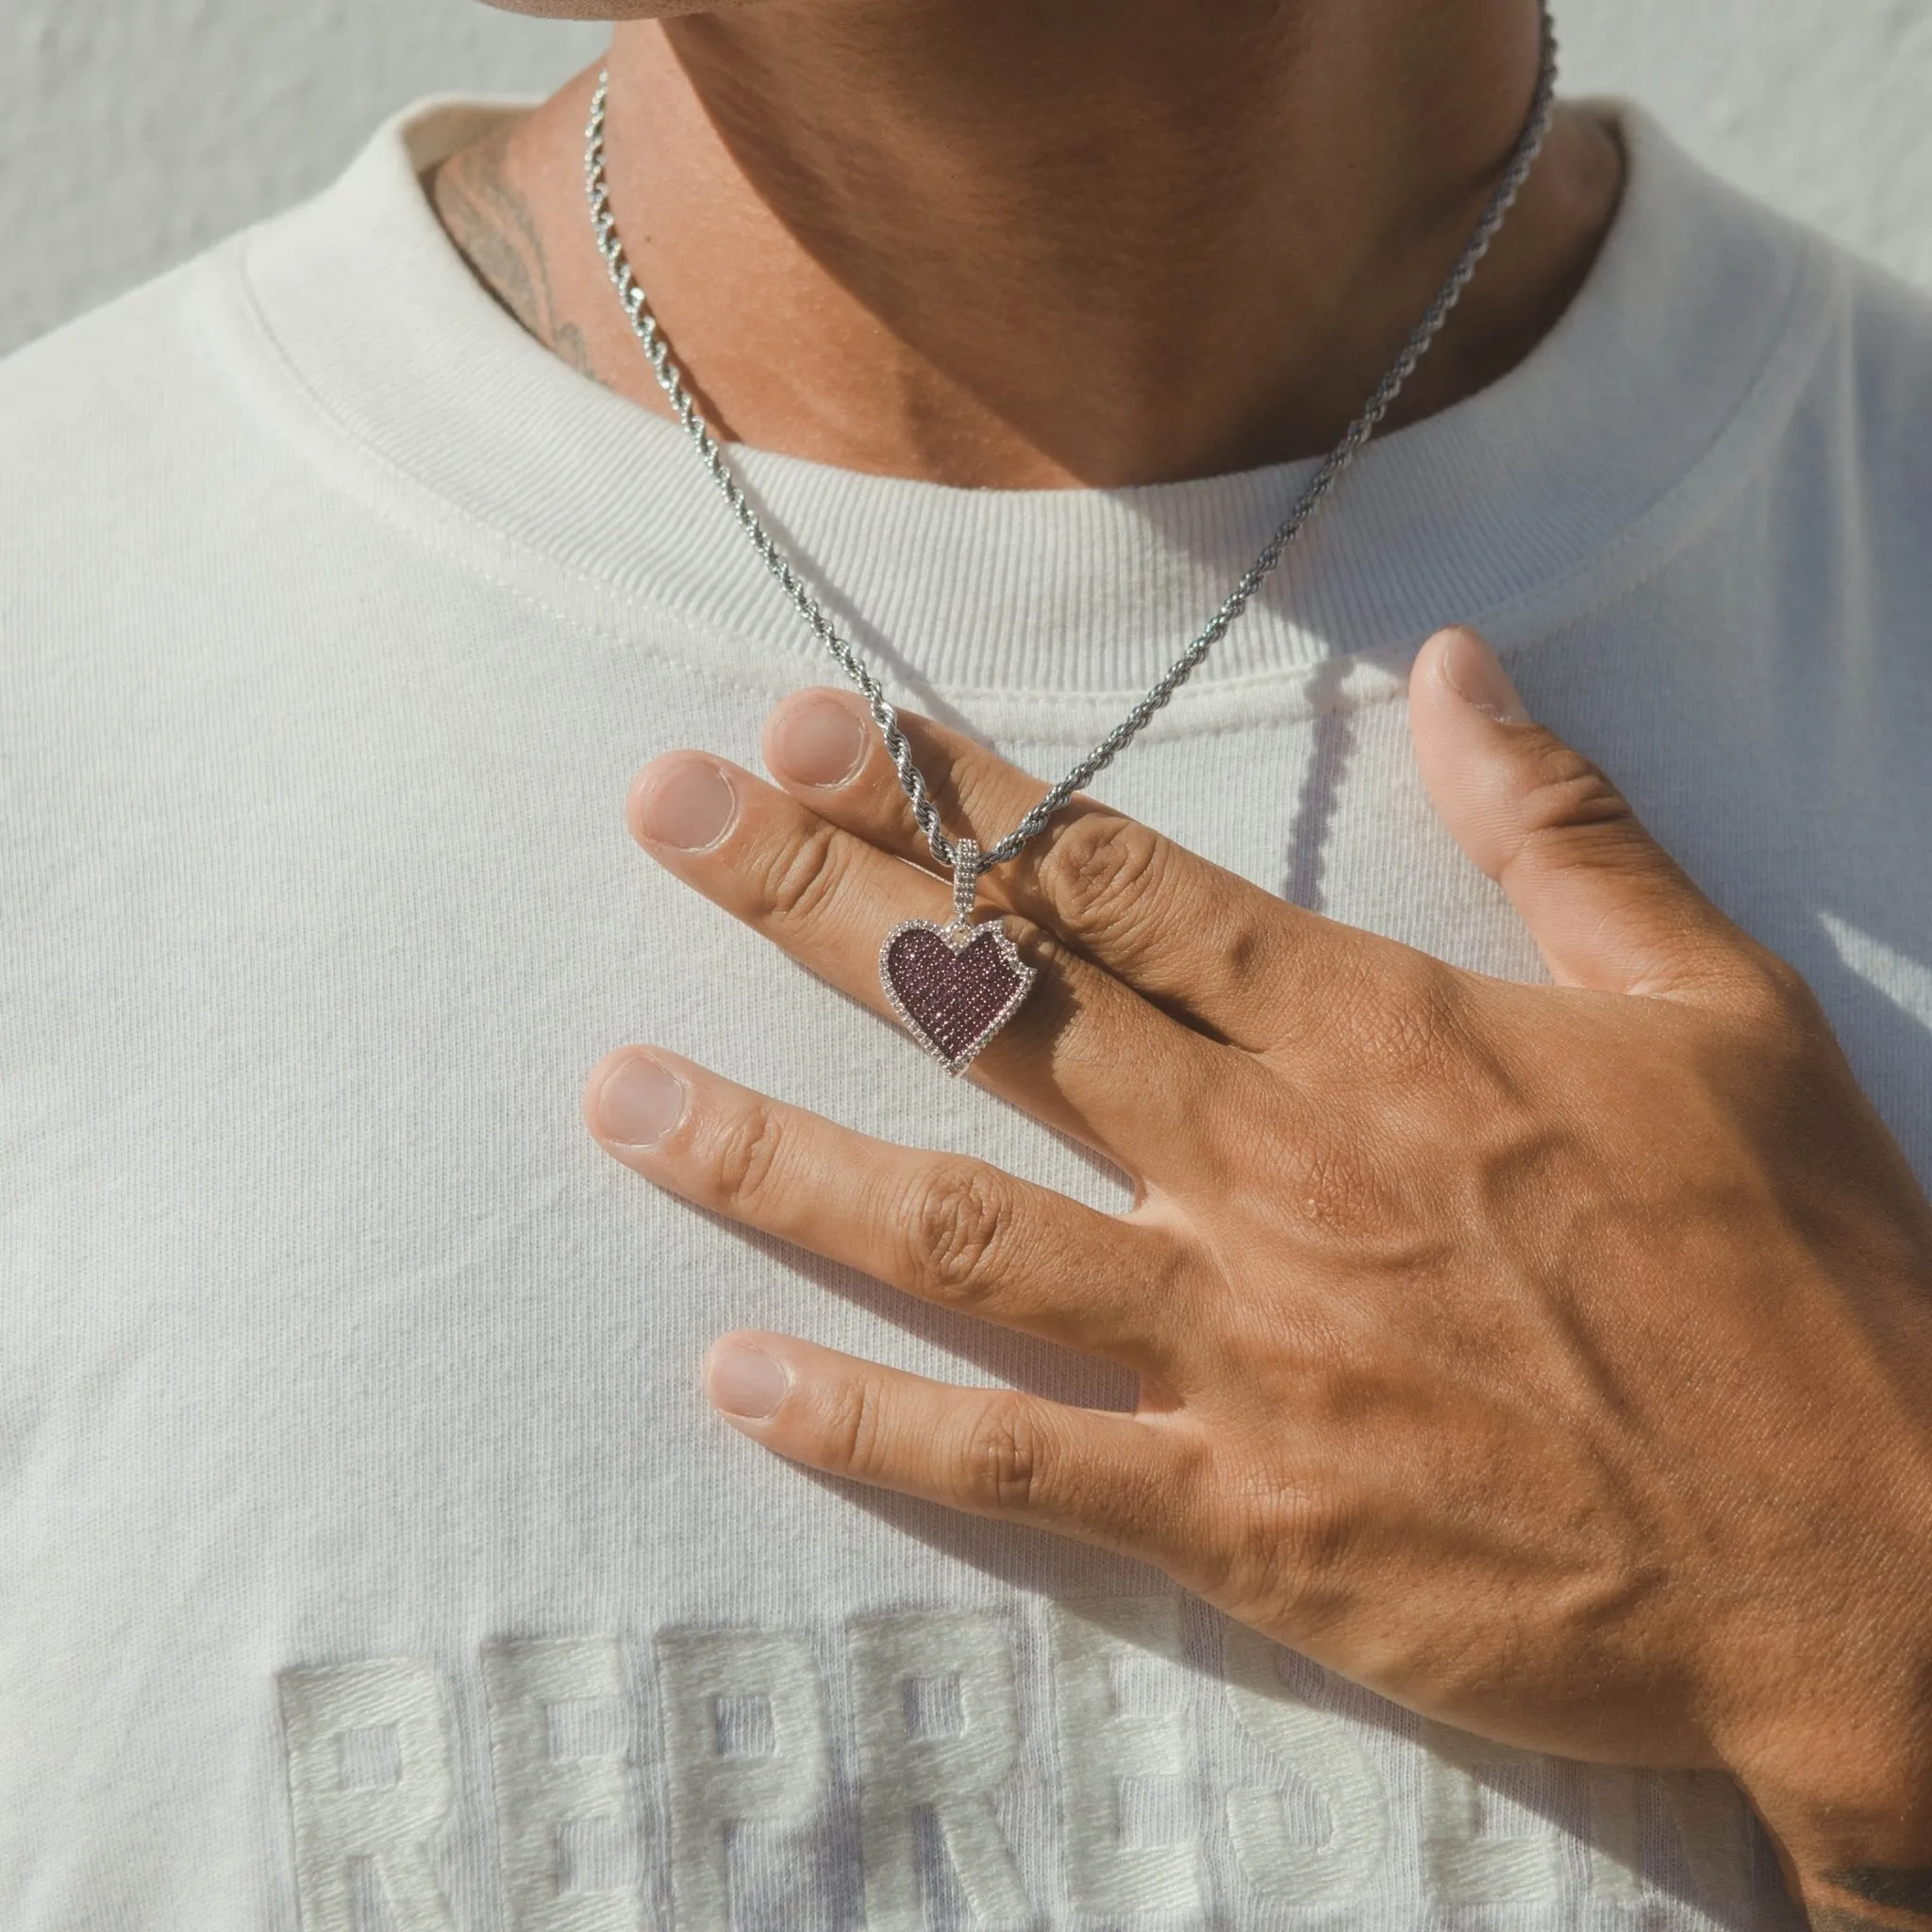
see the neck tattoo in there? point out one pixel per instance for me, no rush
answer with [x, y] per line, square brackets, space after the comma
[956, 985]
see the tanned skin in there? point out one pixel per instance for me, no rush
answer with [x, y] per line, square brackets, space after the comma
[1095, 242]
[1182, 316]
[490, 222]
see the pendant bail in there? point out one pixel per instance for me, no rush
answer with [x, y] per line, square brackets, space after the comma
[966, 871]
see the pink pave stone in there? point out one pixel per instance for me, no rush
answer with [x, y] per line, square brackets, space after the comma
[954, 998]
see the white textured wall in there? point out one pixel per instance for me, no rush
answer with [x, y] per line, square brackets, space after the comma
[133, 131]
[1821, 107]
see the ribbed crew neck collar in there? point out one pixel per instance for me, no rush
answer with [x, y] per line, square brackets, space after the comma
[1502, 511]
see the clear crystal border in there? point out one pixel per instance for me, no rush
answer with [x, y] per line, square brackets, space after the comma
[958, 938]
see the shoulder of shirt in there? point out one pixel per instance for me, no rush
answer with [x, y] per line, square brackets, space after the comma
[143, 386]
[101, 379]
[1886, 353]
[1881, 324]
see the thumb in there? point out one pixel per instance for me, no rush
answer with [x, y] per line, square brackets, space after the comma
[1607, 904]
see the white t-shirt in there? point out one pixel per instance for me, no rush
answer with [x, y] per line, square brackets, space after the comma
[371, 1558]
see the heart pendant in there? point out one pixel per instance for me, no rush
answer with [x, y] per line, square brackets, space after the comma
[954, 986]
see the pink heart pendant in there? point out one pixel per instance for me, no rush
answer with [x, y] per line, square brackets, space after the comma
[954, 986]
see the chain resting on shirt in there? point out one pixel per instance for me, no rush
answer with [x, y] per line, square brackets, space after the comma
[944, 851]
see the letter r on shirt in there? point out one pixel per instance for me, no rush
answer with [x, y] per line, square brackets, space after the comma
[370, 1784]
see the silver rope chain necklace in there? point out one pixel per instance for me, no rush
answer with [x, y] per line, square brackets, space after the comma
[956, 985]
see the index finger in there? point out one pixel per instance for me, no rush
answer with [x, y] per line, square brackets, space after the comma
[1202, 941]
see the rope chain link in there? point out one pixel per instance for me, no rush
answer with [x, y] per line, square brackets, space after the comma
[926, 813]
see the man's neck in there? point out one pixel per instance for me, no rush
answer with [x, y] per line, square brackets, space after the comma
[995, 242]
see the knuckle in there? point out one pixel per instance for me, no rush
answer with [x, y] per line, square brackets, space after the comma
[746, 1155]
[804, 874]
[1564, 790]
[852, 1440]
[1101, 866]
[1249, 947]
[1306, 1528]
[1420, 1025]
[1401, 1015]
[1289, 1541]
[1777, 998]
[962, 1212]
[1784, 996]
[1566, 805]
[1006, 1460]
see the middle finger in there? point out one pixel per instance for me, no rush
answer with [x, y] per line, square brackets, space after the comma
[951, 1230]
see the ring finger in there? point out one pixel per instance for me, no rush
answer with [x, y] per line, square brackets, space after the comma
[1124, 1483]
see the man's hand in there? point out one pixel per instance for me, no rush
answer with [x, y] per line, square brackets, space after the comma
[1555, 1359]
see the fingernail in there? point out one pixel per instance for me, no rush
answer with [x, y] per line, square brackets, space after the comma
[686, 803]
[640, 1101]
[817, 740]
[746, 1382]
[1473, 672]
